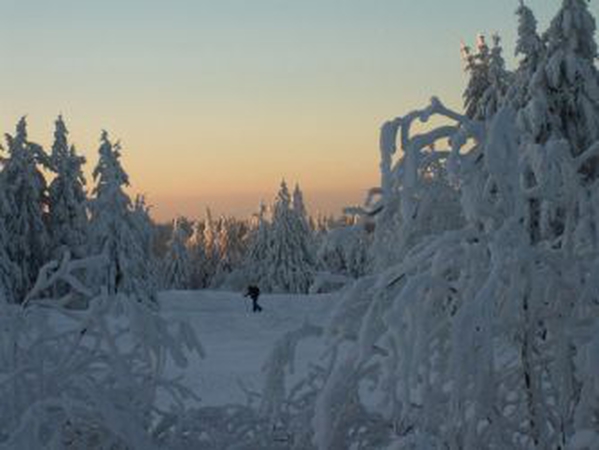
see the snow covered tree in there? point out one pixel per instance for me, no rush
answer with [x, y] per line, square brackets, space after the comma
[144, 224]
[211, 250]
[232, 247]
[94, 379]
[480, 335]
[298, 204]
[416, 199]
[24, 217]
[146, 232]
[477, 67]
[291, 263]
[499, 81]
[67, 218]
[9, 271]
[196, 248]
[114, 230]
[531, 48]
[300, 210]
[565, 87]
[257, 256]
[345, 251]
[561, 121]
[528, 44]
[177, 264]
[489, 79]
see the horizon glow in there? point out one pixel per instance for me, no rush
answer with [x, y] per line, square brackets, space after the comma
[216, 102]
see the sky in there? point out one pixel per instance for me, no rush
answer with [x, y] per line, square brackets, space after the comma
[216, 101]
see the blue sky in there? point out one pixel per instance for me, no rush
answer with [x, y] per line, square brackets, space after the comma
[215, 101]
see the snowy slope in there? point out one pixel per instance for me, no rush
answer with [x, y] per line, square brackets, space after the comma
[237, 341]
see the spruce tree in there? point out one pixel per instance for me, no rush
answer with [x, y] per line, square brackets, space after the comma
[298, 203]
[565, 87]
[146, 232]
[477, 67]
[67, 219]
[114, 231]
[256, 271]
[561, 121]
[291, 263]
[299, 207]
[211, 250]
[177, 265]
[9, 271]
[499, 81]
[196, 247]
[530, 48]
[232, 248]
[26, 197]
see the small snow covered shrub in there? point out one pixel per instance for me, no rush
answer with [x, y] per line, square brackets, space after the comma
[87, 378]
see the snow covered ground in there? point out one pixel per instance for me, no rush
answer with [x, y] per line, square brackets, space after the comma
[237, 341]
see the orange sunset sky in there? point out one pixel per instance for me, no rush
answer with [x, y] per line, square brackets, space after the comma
[216, 101]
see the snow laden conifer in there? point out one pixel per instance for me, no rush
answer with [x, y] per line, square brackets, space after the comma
[499, 80]
[67, 218]
[232, 247]
[477, 67]
[290, 260]
[25, 191]
[565, 86]
[196, 247]
[211, 250]
[177, 264]
[299, 206]
[488, 78]
[560, 124]
[9, 271]
[529, 44]
[146, 232]
[530, 47]
[114, 231]
[255, 269]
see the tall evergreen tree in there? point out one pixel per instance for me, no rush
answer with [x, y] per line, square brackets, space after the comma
[529, 44]
[489, 79]
[561, 121]
[67, 219]
[177, 265]
[256, 271]
[196, 246]
[211, 250]
[530, 47]
[9, 271]
[114, 231]
[299, 207]
[26, 205]
[146, 231]
[232, 247]
[477, 67]
[565, 87]
[499, 80]
[298, 203]
[290, 261]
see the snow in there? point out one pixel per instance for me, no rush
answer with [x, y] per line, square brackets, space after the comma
[237, 342]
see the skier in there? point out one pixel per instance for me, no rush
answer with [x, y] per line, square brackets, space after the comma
[254, 292]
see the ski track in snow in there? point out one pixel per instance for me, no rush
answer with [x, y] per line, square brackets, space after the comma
[237, 341]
